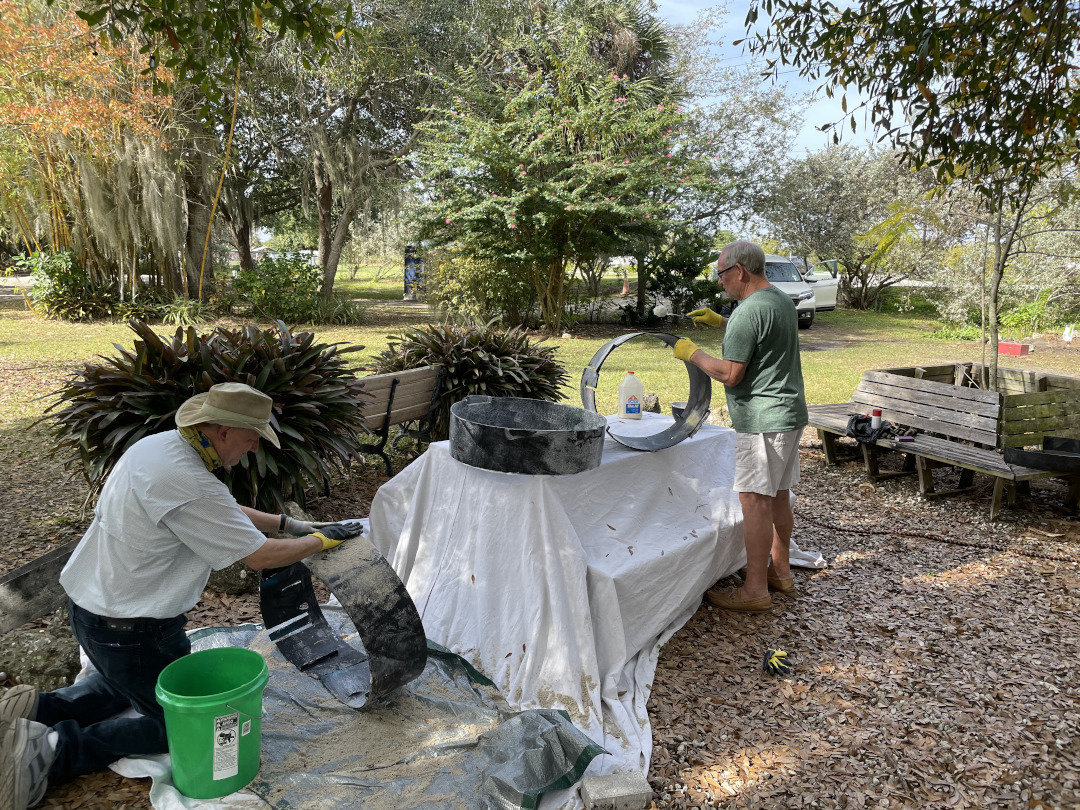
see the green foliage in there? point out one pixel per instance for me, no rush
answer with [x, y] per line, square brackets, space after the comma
[480, 290]
[678, 273]
[193, 40]
[105, 408]
[1043, 314]
[224, 300]
[337, 310]
[181, 311]
[987, 90]
[62, 289]
[555, 159]
[292, 232]
[477, 360]
[281, 289]
[956, 331]
[907, 302]
[835, 204]
[147, 305]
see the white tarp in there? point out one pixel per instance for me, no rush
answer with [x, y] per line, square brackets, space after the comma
[562, 588]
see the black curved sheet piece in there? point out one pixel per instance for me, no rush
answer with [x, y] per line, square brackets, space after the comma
[1058, 454]
[687, 421]
[378, 604]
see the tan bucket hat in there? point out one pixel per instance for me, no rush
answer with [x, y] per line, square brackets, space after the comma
[233, 405]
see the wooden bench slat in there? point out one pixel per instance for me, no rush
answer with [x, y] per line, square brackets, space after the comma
[406, 396]
[1062, 396]
[905, 418]
[399, 415]
[976, 394]
[1041, 425]
[409, 400]
[925, 372]
[377, 404]
[1055, 382]
[963, 405]
[382, 382]
[1036, 439]
[417, 398]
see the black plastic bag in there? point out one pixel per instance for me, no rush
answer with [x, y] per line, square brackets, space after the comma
[859, 428]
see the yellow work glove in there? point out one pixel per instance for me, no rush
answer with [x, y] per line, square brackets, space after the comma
[684, 349]
[705, 317]
[335, 534]
[776, 662]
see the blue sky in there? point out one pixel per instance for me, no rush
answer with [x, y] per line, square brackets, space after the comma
[823, 110]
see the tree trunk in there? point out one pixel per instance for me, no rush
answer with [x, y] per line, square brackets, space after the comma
[199, 260]
[642, 277]
[334, 250]
[324, 200]
[1004, 239]
[332, 236]
[241, 228]
[992, 314]
[242, 234]
[552, 292]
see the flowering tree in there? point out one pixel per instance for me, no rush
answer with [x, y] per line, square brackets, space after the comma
[77, 117]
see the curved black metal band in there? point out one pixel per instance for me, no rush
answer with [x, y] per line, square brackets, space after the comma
[686, 424]
[379, 606]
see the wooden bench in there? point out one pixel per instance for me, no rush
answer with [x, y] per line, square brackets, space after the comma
[397, 398]
[954, 425]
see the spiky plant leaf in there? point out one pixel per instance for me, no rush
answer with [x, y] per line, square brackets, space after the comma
[106, 407]
[477, 360]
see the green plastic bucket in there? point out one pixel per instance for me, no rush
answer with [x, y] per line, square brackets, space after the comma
[213, 717]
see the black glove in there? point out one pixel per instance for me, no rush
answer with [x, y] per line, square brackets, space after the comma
[335, 534]
[776, 662]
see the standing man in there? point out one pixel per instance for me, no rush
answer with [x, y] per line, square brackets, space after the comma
[162, 523]
[762, 376]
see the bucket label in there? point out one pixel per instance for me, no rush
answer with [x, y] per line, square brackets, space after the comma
[226, 746]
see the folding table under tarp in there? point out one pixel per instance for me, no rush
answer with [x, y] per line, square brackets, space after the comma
[561, 589]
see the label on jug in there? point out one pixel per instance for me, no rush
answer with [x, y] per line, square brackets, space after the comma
[633, 405]
[227, 746]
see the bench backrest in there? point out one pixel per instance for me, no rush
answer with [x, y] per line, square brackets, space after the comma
[1027, 418]
[949, 411]
[412, 395]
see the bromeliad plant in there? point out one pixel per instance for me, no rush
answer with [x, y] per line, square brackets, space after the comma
[476, 360]
[107, 407]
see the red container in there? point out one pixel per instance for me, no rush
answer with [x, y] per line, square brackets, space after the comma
[1018, 349]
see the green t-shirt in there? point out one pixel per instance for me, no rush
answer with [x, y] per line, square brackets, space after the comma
[763, 332]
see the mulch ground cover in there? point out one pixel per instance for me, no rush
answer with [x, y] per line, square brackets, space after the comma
[934, 658]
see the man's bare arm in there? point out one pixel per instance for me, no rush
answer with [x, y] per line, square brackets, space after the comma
[727, 372]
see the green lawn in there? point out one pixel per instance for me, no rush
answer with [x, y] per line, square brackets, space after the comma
[836, 350]
[370, 283]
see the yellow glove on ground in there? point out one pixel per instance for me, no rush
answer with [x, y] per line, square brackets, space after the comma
[705, 317]
[776, 662]
[684, 349]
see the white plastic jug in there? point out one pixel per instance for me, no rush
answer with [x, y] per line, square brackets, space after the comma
[631, 394]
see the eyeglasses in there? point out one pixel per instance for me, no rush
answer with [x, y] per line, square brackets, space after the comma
[717, 273]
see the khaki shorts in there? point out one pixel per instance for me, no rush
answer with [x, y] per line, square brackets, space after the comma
[766, 463]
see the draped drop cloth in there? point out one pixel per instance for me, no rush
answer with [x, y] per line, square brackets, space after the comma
[561, 589]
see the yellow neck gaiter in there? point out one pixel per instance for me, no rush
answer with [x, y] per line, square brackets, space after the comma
[197, 439]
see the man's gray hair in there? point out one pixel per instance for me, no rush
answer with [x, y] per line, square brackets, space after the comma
[748, 254]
